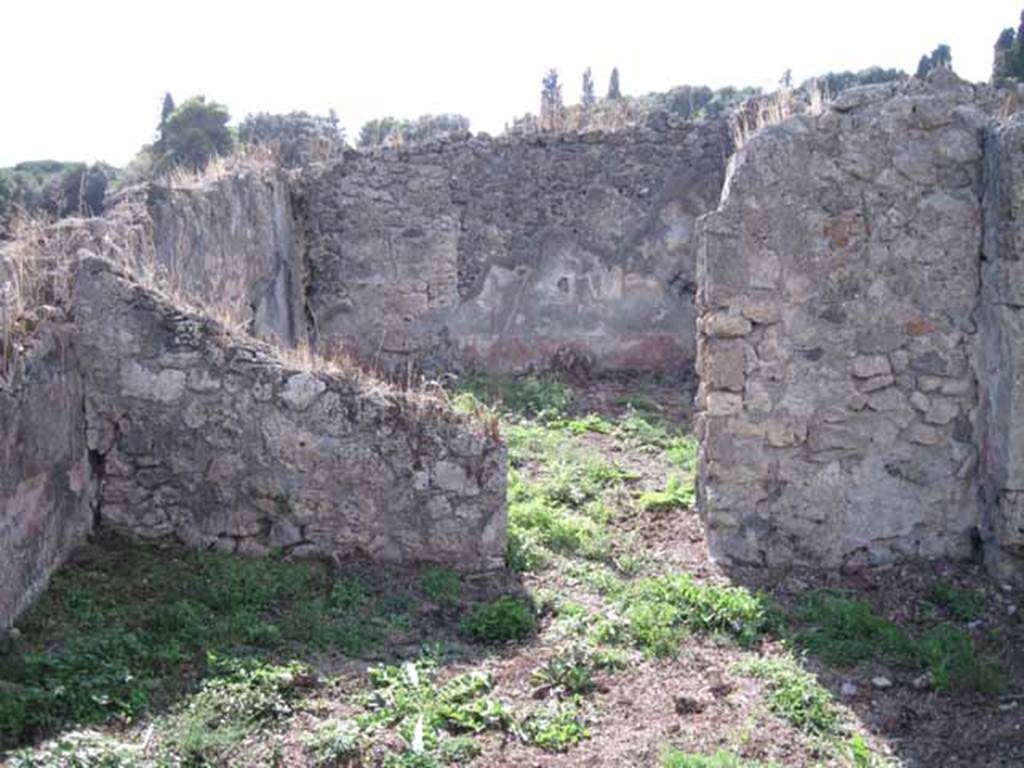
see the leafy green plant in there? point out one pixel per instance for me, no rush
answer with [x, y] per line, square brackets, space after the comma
[239, 697]
[335, 744]
[860, 756]
[681, 452]
[556, 726]
[953, 664]
[643, 430]
[592, 422]
[82, 749]
[571, 671]
[676, 493]
[795, 695]
[442, 585]
[458, 749]
[962, 604]
[526, 395]
[843, 631]
[407, 698]
[658, 610]
[507, 618]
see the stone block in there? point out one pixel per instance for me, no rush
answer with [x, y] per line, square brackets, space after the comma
[870, 366]
[726, 325]
[724, 404]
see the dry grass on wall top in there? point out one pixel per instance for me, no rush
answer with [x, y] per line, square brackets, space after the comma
[34, 280]
[248, 158]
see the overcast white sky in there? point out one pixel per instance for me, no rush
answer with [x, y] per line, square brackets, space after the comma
[84, 79]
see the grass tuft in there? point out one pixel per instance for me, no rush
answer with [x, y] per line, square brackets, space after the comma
[795, 695]
[962, 604]
[676, 758]
[949, 654]
[846, 632]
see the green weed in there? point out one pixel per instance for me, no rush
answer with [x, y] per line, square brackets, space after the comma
[571, 671]
[525, 396]
[795, 695]
[112, 635]
[240, 696]
[681, 452]
[859, 755]
[962, 604]
[592, 422]
[335, 744]
[846, 632]
[676, 758]
[658, 611]
[407, 698]
[637, 402]
[507, 618]
[82, 749]
[953, 664]
[458, 750]
[441, 585]
[643, 430]
[556, 726]
[676, 493]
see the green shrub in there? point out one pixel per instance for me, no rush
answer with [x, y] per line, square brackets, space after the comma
[507, 618]
[953, 664]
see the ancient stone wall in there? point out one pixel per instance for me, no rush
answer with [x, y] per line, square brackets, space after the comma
[838, 286]
[47, 483]
[511, 254]
[229, 245]
[1001, 354]
[212, 441]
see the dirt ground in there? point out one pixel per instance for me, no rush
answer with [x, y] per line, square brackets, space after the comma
[696, 701]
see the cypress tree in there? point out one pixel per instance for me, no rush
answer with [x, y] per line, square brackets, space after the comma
[587, 98]
[614, 92]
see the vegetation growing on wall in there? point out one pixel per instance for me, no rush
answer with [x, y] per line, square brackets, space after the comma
[391, 130]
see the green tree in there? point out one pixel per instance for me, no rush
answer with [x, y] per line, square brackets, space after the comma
[375, 132]
[296, 138]
[1003, 56]
[614, 92]
[424, 128]
[192, 135]
[167, 109]
[940, 58]
[1008, 59]
[587, 98]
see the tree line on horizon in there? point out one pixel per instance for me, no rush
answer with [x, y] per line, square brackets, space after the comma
[191, 134]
